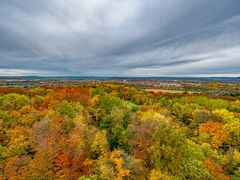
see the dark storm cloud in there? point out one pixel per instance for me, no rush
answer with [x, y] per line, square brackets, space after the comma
[125, 38]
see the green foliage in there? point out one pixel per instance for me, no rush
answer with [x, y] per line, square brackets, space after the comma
[2, 153]
[184, 112]
[165, 102]
[13, 101]
[201, 116]
[97, 91]
[131, 106]
[91, 177]
[66, 109]
[116, 124]
[193, 166]
[68, 125]
[213, 103]
[6, 118]
[168, 150]
[139, 99]
[108, 103]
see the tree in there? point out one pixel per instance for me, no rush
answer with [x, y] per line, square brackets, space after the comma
[98, 144]
[167, 153]
[233, 129]
[157, 174]
[231, 162]
[66, 109]
[193, 166]
[217, 133]
[143, 139]
[225, 115]
[215, 170]
[116, 124]
[184, 112]
[13, 101]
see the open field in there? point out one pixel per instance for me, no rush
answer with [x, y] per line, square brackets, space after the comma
[165, 91]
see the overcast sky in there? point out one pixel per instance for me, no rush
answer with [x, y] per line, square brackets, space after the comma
[120, 37]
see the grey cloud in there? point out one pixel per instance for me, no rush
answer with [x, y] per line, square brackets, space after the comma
[112, 37]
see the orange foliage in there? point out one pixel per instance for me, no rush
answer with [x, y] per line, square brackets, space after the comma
[145, 108]
[71, 94]
[4, 91]
[70, 166]
[118, 161]
[216, 171]
[216, 131]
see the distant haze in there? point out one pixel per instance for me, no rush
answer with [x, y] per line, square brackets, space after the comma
[120, 37]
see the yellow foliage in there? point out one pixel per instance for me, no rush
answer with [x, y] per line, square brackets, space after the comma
[225, 115]
[18, 140]
[235, 159]
[15, 114]
[150, 115]
[233, 127]
[94, 100]
[99, 144]
[156, 174]
[103, 166]
[80, 120]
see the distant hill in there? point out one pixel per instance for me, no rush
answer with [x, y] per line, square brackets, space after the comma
[218, 79]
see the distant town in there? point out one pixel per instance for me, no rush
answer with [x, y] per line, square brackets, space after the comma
[211, 85]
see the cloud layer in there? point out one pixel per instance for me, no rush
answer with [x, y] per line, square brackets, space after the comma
[120, 37]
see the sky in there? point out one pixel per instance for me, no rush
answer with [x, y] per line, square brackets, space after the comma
[120, 37]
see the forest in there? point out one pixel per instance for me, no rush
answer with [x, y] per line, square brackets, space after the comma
[114, 132]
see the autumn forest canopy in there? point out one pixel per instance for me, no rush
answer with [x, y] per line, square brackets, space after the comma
[106, 131]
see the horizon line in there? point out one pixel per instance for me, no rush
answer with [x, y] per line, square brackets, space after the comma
[95, 76]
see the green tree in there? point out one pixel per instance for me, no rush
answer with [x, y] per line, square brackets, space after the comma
[168, 149]
[116, 124]
[66, 109]
[13, 101]
[193, 166]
